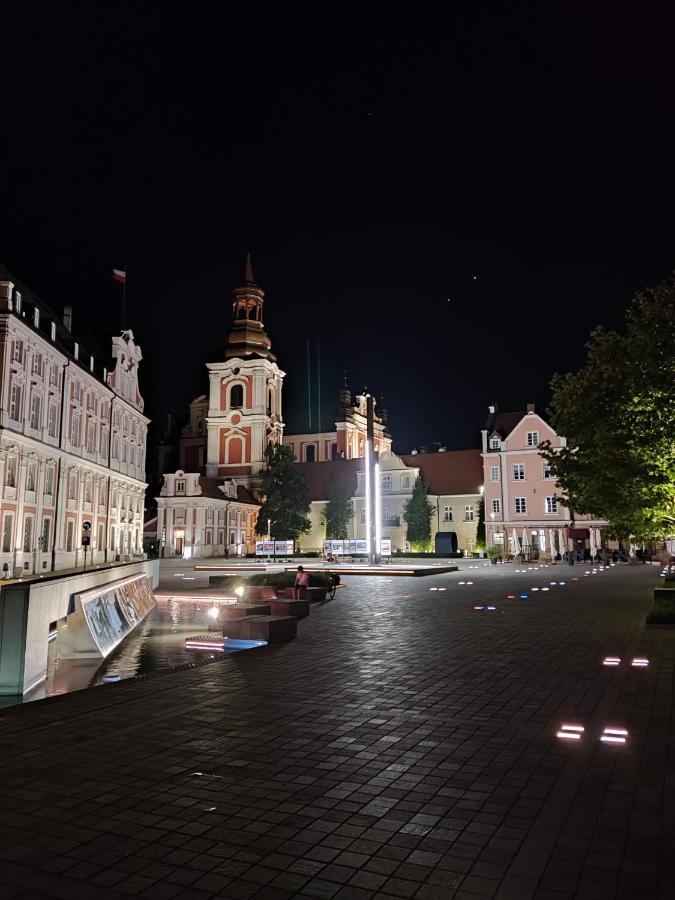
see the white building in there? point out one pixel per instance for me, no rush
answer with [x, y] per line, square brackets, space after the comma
[72, 442]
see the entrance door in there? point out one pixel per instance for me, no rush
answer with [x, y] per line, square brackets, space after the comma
[180, 538]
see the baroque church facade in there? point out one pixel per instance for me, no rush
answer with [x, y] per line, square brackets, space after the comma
[209, 507]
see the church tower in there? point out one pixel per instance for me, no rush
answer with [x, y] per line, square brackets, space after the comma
[244, 414]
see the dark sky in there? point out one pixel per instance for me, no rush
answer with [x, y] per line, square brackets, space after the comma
[373, 165]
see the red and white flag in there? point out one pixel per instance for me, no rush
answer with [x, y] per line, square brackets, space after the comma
[120, 275]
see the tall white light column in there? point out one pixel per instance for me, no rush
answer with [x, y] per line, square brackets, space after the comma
[368, 489]
[378, 511]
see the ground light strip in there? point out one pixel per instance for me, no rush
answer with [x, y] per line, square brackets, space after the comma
[640, 662]
[611, 661]
[614, 736]
[570, 732]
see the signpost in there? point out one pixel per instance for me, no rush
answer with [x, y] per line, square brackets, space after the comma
[86, 541]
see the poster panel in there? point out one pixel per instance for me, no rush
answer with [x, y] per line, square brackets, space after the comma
[385, 547]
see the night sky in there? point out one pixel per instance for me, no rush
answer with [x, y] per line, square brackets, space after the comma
[448, 205]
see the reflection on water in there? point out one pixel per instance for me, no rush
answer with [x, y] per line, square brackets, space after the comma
[158, 643]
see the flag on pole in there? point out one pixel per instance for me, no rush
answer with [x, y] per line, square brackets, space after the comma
[120, 275]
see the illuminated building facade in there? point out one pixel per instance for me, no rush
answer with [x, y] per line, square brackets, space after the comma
[72, 442]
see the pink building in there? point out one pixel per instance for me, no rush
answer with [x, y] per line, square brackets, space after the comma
[522, 513]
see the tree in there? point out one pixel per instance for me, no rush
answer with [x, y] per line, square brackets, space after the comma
[480, 527]
[338, 510]
[285, 496]
[618, 415]
[417, 513]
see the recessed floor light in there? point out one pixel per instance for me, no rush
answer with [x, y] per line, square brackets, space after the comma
[611, 661]
[569, 732]
[640, 662]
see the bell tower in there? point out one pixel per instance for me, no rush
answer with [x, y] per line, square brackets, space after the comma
[244, 415]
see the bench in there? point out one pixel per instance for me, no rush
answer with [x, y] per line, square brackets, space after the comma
[273, 629]
[238, 610]
[287, 607]
[314, 594]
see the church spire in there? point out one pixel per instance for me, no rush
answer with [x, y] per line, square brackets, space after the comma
[248, 274]
[246, 336]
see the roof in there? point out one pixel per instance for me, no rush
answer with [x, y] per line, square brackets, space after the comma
[449, 472]
[318, 475]
[211, 488]
[503, 423]
[65, 338]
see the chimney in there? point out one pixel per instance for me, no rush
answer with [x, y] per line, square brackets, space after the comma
[6, 288]
[530, 407]
[68, 317]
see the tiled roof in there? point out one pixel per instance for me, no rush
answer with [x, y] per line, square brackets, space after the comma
[318, 474]
[450, 472]
[211, 488]
[503, 423]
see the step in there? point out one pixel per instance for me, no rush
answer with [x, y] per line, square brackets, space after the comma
[284, 607]
[273, 629]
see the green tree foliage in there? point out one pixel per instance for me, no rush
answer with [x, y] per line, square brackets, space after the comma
[480, 527]
[417, 514]
[618, 415]
[286, 496]
[338, 510]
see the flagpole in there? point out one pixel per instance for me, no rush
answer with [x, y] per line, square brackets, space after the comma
[124, 296]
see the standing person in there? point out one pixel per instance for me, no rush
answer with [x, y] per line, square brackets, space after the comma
[301, 584]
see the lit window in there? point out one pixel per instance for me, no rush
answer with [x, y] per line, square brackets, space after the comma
[532, 438]
[35, 410]
[69, 535]
[15, 401]
[521, 505]
[28, 534]
[494, 444]
[519, 471]
[550, 505]
[46, 532]
[386, 482]
[447, 514]
[468, 513]
[10, 471]
[496, 506]
[494, 473]
[7, 526]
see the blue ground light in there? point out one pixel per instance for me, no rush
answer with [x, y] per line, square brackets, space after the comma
[524, 596]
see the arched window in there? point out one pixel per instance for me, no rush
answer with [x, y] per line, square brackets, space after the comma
[270, 402]
[234, 451]
[333, 451]
[242, 313]
[236, 396]
[310, 453]
[252, 313]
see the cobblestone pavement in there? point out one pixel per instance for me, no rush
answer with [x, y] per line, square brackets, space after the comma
[404, 745]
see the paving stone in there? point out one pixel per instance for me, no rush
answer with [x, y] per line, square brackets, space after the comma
[402, 755]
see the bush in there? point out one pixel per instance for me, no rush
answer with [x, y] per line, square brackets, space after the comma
[662, 612]
[287, 580]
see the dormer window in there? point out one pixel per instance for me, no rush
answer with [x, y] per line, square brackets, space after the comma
[180, 487]
[494, 443]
